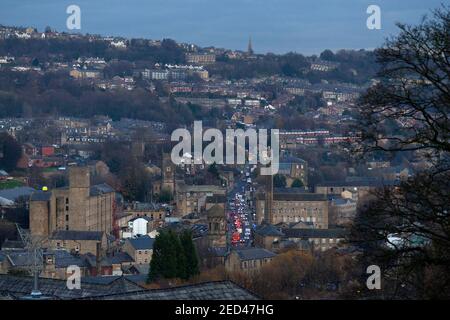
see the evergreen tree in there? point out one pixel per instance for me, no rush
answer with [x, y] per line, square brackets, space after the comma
[190, 253]
[174, 256]
[10, 151]
[297, 183]
[279, 181]
[171, 256]
[164, 259]
[180, 257]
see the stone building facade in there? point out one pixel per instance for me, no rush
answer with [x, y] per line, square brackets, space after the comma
[80, 206]
[192, 198]
[292, 207]
[217, 227]
[248, 260]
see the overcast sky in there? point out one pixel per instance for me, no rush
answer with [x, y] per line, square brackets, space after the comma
[304, 26]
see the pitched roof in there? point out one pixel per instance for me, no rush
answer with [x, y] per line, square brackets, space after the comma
[100, 189]
[120, 257]
[14, 194]
[268, 230]
[216, 198]
[141, 217]
[91, 260]
[77, 235]
[57, 289]
[19, 258]
[107, 280]
[315, 233]
[218, 290]
[361, 182]
[13, 244]
[216, 211]
[63, 259]
[291, 159]
[254, 253]
[142, 243]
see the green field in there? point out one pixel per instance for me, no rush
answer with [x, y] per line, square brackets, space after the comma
[9, 184]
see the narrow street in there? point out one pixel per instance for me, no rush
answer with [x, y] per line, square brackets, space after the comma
[239, 213]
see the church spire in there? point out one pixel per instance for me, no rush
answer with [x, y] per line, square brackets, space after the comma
[250, 48]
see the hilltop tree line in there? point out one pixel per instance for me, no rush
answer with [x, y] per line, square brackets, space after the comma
[352, 66]
[33, 95]
[59, 49]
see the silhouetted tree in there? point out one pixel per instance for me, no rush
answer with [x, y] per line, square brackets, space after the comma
[279, 181]
[405, 229]
[10, 151]
[190, 253]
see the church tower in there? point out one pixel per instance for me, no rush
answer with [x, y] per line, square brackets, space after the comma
[268, 216]
[217, 227]
[168, 173]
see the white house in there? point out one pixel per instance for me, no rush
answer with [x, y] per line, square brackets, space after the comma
[139, 226]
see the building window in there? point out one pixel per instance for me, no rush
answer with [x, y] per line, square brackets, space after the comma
[67, 217]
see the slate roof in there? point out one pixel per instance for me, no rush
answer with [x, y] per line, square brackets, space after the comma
[362, 182]
[120, 257]
[141, 269]
[57, 289]
[19, 258]
[315, 233]
[220, 290]
[12, 244]
[142, 217]
[91, 260]
[300, 225]
[216, 211]
[107, 280]
[216, 198]
[268, 230]
[338, 201]
[77, 235]
[40, 196]
[63, 259]
[100, 189]
[15, 193]
[291, 159]
[254, 253]
[142, 243]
